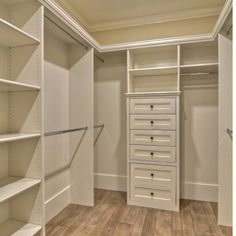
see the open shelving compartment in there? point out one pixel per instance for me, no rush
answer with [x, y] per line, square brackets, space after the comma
[153, 69]
[21, 158]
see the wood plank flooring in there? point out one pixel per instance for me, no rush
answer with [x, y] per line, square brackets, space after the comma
[112, 217]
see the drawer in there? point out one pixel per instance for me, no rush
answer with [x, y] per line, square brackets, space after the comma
[162, 122]
[153, 137]
[152, 153]
[153, 176]
[153, 190]
[152, 106]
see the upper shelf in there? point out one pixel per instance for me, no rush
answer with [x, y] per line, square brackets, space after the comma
[18, 228]
[13, 86]
[155, 71]
[11, 36]
[199, 68]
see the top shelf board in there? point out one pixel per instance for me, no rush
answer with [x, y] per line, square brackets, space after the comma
[155, 71]
[199, 68]
[11, 36]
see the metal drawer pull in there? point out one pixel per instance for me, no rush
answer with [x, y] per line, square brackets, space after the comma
[230, 133]
[151, 138]
[151, 106]
[151, 153]
[152, 194]
[152, 122]
[152, 175]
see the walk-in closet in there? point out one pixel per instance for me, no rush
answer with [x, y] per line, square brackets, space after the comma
[116, 118]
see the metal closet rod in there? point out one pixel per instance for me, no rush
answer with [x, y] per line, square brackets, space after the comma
[99, 126]
[64, 131]
[81, 44]
[199, 73]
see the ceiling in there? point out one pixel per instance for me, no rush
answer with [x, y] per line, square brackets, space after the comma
[100, 15]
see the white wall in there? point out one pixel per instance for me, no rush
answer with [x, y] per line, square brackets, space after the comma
[199, 147]
[110, 109]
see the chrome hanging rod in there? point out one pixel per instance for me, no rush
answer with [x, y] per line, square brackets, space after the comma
[84, 46]
[229, 30]
[99, 126]
[58, 26]
[199, 73]
[64, 131]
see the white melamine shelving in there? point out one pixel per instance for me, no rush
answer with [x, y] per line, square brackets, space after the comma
[155, 71]
[12, 186]
[200, 68]
[13, 86]
[17, 136]
[11, 36]
[18, 228]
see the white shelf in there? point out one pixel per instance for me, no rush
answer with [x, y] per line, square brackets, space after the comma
[163, 93]
[170, 70]
[13, 86]
[17, 136]
[18, 228]
[12, 186]
[11, 36]
[200, 68]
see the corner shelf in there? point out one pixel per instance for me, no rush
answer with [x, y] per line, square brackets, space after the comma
[154, 71]
[13, 86]
[12, 186]
[18, 228]
[17, 136]
[200, 68]
[11, 36]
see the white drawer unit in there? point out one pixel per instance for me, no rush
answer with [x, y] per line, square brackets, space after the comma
[152, 137]
[161, 122]
[153, 185]
[152, 106]
[153, 153]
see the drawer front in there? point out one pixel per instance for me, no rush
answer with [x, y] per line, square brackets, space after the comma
[152, 106]
[153, 137]
[160, 188]
[152, 153]
[153, 176]
[162, 122]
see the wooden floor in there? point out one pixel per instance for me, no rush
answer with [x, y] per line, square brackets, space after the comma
[111, 216]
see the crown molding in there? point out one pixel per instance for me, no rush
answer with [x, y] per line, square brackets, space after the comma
[77, 28]
[154, 19]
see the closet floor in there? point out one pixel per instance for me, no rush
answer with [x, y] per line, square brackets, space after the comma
[111, 216]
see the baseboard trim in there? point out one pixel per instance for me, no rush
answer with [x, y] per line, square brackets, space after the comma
[199, 191]
[57, 203]
[189, 190]
[110, 182]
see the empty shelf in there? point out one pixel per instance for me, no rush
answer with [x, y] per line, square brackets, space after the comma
[11, 36]
[12, 186]
[199, 68]
[11, 86]
[18, 228]
[17, 136]
[154, 71]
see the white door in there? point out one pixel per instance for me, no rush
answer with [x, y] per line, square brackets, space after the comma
[225, 127]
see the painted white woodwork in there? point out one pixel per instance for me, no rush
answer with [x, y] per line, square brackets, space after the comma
[12, 36]
[11, 186]
[18, 228]
[225, 140]
[81, 114]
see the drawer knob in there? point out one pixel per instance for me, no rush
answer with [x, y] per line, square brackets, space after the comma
[151, 106]
[151, 138]
[152, 122]
[152, 194]
[152, 175]
[151, 153]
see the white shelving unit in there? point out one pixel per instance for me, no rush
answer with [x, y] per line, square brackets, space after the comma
[12, 36]
[21, 127]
